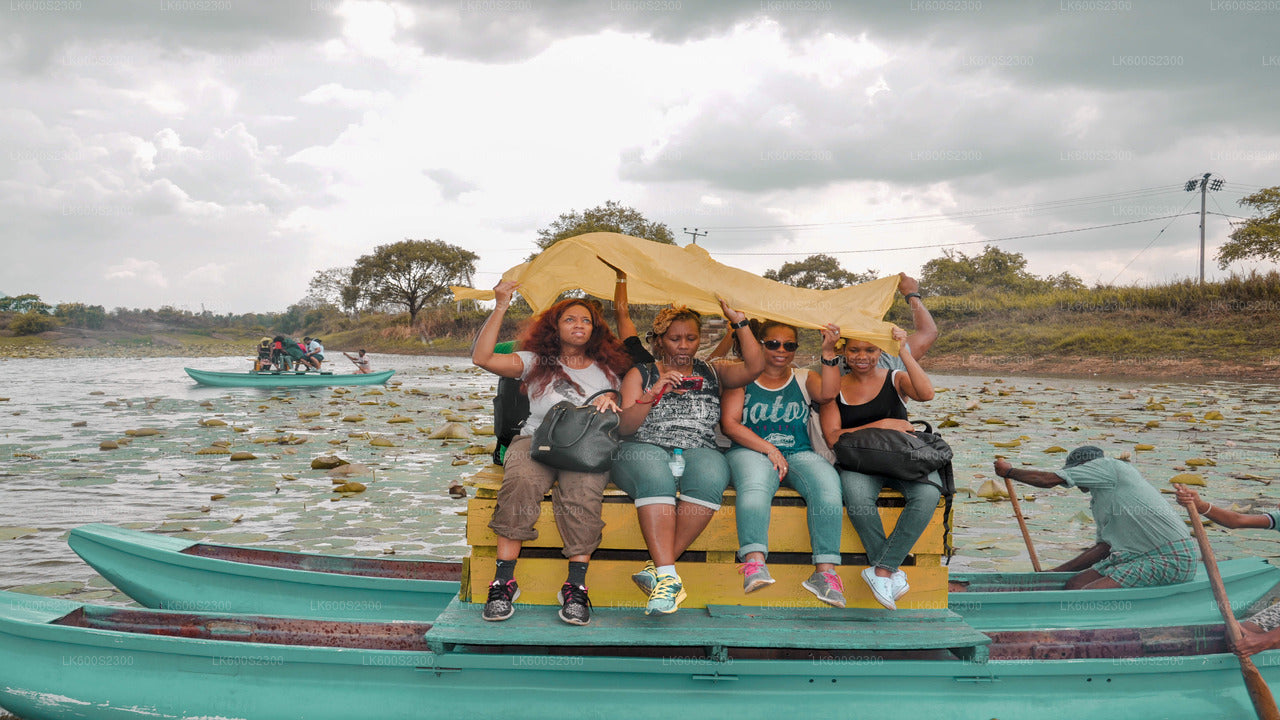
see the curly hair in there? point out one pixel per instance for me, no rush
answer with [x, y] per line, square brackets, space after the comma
[541, 336]
[662, 322]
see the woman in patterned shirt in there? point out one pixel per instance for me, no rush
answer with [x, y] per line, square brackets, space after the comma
[671, 408]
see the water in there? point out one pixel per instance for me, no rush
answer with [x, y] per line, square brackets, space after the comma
[53, 477]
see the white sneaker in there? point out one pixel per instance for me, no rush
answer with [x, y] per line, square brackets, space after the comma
[900, 586]
[881, 588]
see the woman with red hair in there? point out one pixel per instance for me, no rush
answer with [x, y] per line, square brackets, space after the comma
[568, 353]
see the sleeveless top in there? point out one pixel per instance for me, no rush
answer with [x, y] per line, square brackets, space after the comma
[687, 420]
[780, 417]
[886, 404]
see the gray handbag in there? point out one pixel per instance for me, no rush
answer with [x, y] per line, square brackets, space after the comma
[577, 437]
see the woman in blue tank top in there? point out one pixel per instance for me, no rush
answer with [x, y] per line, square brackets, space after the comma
[873, 397]
[768, 422]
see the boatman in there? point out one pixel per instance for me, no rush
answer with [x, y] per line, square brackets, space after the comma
[1260, 631]
[1140, 542]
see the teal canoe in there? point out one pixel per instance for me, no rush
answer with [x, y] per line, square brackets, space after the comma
[172, 573]
[62, 659]
[285, 378]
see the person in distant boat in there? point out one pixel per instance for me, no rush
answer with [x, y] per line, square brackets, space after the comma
[362, 362]
[671, 409]
[567, 353]
[263, 361]
[1260, 631]
[315, 353]
[1141, 542]
[768, 422]
[872, 396]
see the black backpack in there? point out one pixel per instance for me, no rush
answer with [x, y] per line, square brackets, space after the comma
[510, 410]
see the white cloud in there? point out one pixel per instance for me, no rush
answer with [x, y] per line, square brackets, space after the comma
[147, 272]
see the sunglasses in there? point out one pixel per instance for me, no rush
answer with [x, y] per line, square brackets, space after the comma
[775, 344]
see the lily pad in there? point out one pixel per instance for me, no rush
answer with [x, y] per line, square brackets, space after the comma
[13, 533]
[1188, 479]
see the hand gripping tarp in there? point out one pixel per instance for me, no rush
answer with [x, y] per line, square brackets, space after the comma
[659, 274]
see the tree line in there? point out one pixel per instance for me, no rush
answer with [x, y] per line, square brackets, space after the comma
[411, 275]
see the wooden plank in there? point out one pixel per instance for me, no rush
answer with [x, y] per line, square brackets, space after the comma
[610, 585]
[788, 529]
[461, 623]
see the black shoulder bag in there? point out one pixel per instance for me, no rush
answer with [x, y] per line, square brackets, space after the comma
[577, 437]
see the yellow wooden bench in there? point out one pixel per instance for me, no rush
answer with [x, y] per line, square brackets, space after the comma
[708, 568]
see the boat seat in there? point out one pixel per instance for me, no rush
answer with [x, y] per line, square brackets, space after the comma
[709, 567]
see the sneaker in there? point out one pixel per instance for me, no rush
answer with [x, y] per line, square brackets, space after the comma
[827, 586]
[900, 586]
[754, 575]
[646, 579]
[666, 596]
[502, 598]
[575, 606]
[881, 587]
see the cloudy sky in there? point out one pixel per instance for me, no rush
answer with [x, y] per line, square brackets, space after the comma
[216, 154]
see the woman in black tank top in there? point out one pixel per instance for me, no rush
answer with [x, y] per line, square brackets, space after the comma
[872, 397]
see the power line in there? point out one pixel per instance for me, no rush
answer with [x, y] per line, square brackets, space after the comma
[969, 242]
[1153, 241]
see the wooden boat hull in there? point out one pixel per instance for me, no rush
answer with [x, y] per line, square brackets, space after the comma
[286, 379]
[60, 659]
[176, 574]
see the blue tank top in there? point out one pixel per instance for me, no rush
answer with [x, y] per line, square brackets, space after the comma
[780, 417]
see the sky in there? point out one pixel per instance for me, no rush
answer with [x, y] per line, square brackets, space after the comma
[216, 154]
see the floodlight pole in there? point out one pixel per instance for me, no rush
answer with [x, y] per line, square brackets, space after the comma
[1204, 190]
[694, 233]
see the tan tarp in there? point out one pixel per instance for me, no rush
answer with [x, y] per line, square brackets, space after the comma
[659, 274]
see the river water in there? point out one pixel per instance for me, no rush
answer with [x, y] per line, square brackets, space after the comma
[56, 413]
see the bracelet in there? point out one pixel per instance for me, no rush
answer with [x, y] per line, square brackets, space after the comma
[910, 295]
[832, 362]
[1208, 507]
[1008, 475]
[740, 324]
[622, 281]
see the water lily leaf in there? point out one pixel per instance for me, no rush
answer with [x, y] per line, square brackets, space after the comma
[238, 456]
[1010, 444]
[1213, 415]
[1201, 462]
[1055, 449]
[13, 533]
[1143, 447]
[450, 431]
[213, 422]
[1188, 479]
[381, 442]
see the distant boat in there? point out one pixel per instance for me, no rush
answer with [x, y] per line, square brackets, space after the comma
[286, 378]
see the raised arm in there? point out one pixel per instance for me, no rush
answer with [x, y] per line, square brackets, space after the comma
[1224, 517]
[824, 386]
[508, 364]
[926, 330]
[738, 374]
[914, 383]
[622, 311]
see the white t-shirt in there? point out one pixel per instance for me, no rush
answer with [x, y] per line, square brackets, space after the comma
[591, 379]
[315, 347]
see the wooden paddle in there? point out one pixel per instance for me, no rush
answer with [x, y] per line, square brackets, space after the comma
[1263, 703]
[1026, 536]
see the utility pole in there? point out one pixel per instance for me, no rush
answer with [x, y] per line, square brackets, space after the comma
[694, 233]
[1203, 184]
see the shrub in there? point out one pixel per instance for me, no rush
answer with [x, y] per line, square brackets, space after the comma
[32, 323]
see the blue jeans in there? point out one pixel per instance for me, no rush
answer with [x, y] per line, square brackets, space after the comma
[756, 481]
[641, 471]
[860, 493]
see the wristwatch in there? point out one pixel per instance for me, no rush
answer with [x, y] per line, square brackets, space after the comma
[740, 324]
[910, 295]
[832, 362]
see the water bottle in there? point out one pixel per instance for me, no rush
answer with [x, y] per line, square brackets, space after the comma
[677, 463]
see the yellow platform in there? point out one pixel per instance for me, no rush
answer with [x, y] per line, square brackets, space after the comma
[709, 568]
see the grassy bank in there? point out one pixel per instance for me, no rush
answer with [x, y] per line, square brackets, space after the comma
[1229, 328]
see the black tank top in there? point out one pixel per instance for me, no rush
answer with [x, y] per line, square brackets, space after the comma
[886, 404]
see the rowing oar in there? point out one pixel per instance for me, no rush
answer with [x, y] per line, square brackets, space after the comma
[1263, 704]
[1026, 536]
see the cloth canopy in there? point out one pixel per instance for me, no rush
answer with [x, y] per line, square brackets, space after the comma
[660, 274]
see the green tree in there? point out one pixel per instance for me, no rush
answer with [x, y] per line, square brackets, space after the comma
[818, 272]
[1258, 237]
[32, 323]
[412, 273]
[334, 287]
[24, 303]
[81, 315]
[610, 217]
[956, 274]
